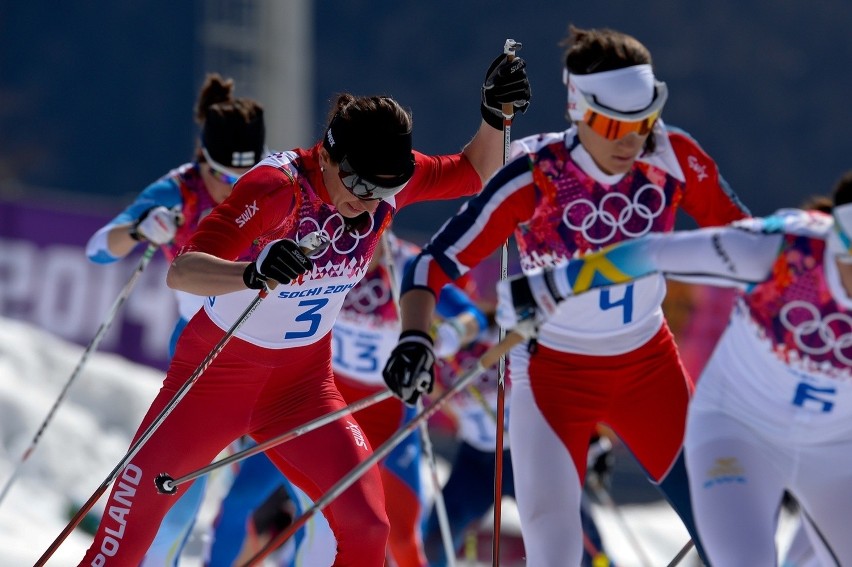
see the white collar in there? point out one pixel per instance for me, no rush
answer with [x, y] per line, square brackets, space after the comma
[584, 159]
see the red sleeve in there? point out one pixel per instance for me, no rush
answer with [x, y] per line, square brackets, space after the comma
[440, 177]
[707, 198]
[259, 203]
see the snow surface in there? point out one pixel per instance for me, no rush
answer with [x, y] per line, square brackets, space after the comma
[90, 433]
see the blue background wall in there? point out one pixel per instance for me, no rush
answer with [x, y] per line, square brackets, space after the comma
[96, 98]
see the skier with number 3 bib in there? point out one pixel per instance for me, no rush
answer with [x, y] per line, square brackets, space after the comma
[275, 373]
[165, 214]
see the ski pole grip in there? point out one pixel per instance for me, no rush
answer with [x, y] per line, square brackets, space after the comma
[509, 49]
[313, 244]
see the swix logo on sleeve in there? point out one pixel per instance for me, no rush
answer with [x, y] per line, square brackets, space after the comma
[699, 168]
[356, 434]
[722, 254]
[247, 214]
[118, 510]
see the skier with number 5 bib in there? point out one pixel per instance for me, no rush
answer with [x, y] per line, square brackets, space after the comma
[617, 173]
[275, 374]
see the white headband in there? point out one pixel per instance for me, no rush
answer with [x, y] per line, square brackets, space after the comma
[627, 90]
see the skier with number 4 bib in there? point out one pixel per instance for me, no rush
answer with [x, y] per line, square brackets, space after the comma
[616, 174]
[275, 374]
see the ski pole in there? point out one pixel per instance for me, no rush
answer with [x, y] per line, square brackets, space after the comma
[681, 554]
[488, 359]
[93, 345]
[603, 495]
[440, 505]
[509, 49]
[480, 398]
[311, 244]
[166, 484]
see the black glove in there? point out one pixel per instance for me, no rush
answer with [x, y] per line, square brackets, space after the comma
[506, 82]
[281, 260]
[410, 370]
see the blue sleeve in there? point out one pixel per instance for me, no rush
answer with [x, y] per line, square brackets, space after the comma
[164, 191]
[453, 302]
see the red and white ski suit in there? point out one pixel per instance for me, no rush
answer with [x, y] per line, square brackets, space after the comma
[606, 356]
[275, 373]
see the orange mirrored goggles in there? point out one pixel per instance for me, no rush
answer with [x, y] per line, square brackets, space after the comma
[615, 129]
[610, 123]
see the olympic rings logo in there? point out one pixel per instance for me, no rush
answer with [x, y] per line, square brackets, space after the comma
[822, 331]
[642, 206]
[334, 229]
[368, 295]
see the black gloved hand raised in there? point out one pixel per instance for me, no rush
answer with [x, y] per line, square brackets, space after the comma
[281, 260]
[410, 370]
[506, 82]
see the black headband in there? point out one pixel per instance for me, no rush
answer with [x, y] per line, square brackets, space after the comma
[373, 150]
[233, 140]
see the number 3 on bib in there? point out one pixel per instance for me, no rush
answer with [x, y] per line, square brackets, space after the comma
[309, 316]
